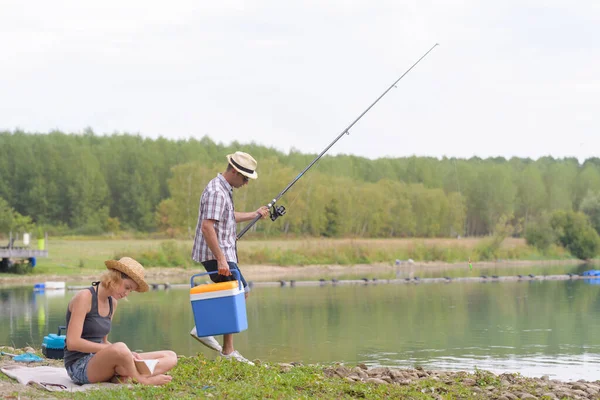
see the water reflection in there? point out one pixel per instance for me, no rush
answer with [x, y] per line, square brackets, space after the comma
[532, 327]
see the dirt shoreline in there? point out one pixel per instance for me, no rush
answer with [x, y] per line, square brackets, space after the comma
[276, 273]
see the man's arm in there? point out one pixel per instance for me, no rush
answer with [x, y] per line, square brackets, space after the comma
[210, 235]
[249, 216]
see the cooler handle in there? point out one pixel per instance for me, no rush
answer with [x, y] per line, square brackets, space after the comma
[61, 328]
[216, 272]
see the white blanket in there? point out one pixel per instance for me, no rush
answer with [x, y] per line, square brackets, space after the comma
[53, 379]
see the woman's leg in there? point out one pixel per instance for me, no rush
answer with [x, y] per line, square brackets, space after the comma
[167, 359]
[117, 359]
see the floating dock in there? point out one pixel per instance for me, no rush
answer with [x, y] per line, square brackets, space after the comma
[417, 280]
[375, 281]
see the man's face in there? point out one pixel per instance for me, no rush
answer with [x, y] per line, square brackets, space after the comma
[241, 180]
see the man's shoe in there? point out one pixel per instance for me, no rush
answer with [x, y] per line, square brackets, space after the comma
[208, 341]
[235, 355]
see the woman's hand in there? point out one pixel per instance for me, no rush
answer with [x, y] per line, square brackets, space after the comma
[136, 356]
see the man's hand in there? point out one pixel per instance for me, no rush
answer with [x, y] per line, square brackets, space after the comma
[136, 356]
[263, 211]
[223, 268]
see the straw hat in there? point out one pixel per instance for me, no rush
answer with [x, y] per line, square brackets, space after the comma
[243, 163]
[132, 269]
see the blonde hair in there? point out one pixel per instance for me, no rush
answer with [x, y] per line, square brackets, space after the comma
[112, 279]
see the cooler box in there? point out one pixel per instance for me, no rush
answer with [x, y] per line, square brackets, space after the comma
[53, 345]
[218, 308]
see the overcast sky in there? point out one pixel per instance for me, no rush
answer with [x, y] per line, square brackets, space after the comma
[510, 78]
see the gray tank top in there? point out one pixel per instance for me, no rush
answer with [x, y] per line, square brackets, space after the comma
[95, 326]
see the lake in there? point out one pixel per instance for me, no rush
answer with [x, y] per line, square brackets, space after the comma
[535, 328]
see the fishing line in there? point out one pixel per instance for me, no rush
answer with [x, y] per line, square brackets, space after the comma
[278, 211]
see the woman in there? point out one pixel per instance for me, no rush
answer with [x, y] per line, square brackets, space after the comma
[89, 356]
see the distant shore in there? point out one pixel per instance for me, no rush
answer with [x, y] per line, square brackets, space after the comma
[275, 273]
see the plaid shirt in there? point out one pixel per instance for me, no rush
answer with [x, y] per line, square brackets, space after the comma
[216, 203]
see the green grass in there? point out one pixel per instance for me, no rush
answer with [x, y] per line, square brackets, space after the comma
[198, 378]
[71, 256]
[78, 256]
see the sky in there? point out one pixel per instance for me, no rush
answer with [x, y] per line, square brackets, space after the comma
[511, 78]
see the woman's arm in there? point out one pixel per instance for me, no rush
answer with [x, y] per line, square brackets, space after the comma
[80, 305]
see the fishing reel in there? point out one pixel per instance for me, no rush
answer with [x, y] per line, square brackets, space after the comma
[276, 212]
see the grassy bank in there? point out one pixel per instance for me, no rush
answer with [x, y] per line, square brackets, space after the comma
[365, 251]
[80, 255]
[197, 377]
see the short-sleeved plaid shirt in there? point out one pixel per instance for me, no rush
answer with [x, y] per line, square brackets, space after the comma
[216, 203]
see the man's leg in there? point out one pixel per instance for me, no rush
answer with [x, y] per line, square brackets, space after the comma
[227, 351]
[227, 344]
[228, 338]
[208, 341]
[228, 348]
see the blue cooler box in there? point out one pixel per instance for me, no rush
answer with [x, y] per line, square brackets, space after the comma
[53, 345]
[218, 308]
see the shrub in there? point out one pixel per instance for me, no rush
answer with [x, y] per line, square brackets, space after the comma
[540, 234]
[575, 233]
[488, 249]
[169, 254]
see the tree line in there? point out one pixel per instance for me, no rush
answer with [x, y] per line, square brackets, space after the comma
[90, 184]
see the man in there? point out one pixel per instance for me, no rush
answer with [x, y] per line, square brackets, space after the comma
[215, 241]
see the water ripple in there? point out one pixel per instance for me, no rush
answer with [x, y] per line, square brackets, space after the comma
[565, 367]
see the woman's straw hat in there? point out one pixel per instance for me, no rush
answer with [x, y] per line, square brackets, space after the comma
[243, 163]
[132, 269]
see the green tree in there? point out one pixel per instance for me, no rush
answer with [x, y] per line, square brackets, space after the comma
[560, 178]
[431, 210]
[81, 180]
[87, 193]
[179, 213]
[7, 216]
[12, 221]
[457, 214]
[490, 195]
[332, 217]
[400, 219]
[531, 194]
[588, 181]
[590, 206]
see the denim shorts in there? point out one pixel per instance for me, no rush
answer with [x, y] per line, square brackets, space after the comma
[212, 266]
[78, 370]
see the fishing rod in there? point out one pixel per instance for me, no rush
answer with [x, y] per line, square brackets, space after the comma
[278, 211]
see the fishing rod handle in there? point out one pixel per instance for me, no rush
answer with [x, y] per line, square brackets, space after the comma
[250, 225]
[254, 221]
